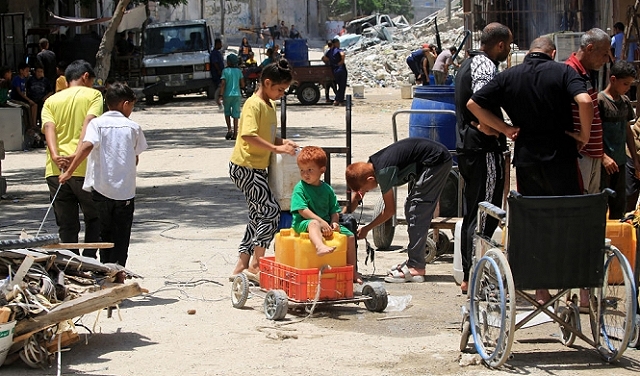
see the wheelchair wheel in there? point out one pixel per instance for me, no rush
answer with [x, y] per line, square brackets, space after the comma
[615, 306]
[492, 308]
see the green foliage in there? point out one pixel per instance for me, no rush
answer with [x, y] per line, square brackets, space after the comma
[366, 7]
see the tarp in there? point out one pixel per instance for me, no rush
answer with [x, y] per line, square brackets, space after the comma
[133, 18]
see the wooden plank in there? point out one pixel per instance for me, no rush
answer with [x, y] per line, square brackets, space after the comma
[445, 223]
[77, 245]
[87, 303]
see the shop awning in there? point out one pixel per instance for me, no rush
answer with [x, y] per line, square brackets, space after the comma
[74, 21]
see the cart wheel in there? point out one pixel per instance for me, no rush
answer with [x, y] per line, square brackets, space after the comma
[276, 305]
[430, 251]
[616, 306]
[378, 297]
[308, 93]
[239, 290]
[36, 241]
[382, 234]
[492, 308]
[443, 245]
[570, 315]
[464, 336]
[635, 337]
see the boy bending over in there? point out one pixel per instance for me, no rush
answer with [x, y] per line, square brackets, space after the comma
[315, 208]
[425, 165]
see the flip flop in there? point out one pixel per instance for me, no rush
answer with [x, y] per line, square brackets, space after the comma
[397, 268]
[403, 276]
[253, 277]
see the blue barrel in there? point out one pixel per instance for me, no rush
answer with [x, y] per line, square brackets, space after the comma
[297, 52]
[437, 127]
[285, 220]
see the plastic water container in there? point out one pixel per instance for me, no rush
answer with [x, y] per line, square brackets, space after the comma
[297, 52]
[306, 256]
[436, 127]
[406, 91]
[283, 177]
[358, 91]
[6, 339]
[623, 236]
[284, 246]
[458, 273]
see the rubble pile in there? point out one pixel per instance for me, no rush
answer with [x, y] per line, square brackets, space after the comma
[43, 287]
[374, 62]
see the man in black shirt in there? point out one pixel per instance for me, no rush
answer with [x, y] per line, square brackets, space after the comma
[480, 156]
[537, 96]
[47, 60]
[425, 165]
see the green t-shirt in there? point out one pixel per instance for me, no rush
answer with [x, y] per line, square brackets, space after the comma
[232, 77]
[615, 115]
[319, 199]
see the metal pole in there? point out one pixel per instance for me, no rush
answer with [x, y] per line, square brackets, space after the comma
[283, 117]
[348, 135]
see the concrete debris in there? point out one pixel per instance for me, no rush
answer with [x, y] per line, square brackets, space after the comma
[376, 61]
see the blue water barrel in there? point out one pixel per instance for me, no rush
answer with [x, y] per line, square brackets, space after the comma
[285, 220]
[448, 81]
[297, 52]
[437, 127]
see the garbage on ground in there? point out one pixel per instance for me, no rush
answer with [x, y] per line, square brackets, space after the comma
[44, 288]
[397, 303]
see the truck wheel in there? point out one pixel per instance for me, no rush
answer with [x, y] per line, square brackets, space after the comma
[165, 98]
[148, 99]
[308, 93]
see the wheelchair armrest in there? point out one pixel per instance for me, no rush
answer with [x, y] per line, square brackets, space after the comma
[609, 192]
[493, 211]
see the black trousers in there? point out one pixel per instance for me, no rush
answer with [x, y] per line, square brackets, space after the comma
[483, 175]
[116, 218]
[66, 206]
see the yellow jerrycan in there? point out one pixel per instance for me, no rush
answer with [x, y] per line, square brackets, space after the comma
[307, 258]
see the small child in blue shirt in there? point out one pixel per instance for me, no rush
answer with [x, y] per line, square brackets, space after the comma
[232, 81]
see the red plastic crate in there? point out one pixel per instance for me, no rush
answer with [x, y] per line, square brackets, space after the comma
[301, 284]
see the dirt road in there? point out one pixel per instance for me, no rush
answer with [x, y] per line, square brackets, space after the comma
[188, 222]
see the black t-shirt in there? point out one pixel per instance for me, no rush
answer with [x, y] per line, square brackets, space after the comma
[478, 69]
[48, 60]
[405, 160]
[37, 89]
[537, 96]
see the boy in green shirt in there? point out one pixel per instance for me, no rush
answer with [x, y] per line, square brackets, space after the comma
[315, 208]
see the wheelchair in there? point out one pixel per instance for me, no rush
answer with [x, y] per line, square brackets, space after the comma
[549, 243]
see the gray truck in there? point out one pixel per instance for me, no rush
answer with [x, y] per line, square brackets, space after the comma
[176, 59]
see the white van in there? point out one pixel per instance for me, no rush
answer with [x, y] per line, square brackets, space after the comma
[176, 59]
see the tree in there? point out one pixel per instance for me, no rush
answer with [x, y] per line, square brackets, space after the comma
[103, 57]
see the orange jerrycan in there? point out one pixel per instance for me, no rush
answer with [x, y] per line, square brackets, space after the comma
[623, 237]
[306, 256]
[284, 246]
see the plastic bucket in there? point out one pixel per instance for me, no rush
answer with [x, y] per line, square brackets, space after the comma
[437, 127]
[406, 91]
[6, 339]
[358, 91]
[297, 52]
[285, 220]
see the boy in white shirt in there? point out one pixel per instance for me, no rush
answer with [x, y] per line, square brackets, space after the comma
[112, 143]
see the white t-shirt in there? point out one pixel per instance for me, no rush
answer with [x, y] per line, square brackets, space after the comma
[111, 165]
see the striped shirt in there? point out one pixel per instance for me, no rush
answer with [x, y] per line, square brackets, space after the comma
[594, 147]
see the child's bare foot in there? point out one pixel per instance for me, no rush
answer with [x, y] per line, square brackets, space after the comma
[324, 250]
[357, 278]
